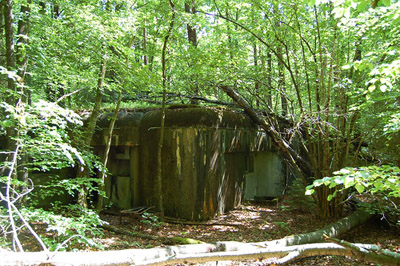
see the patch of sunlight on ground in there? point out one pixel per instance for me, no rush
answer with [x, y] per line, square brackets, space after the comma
[110, 241]
[223, 228]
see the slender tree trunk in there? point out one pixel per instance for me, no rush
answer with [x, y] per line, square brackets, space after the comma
[89, 130]
[159, 190]
[145, 46]
[22, 64]
[1, 22]
[192, 39]
[282, 83]
[22, 43]
[228, 29]
[109, 133]
[107, 151]
[281, 67]
[88, 134]
[269, 80]
[256, 70]
[10, 57]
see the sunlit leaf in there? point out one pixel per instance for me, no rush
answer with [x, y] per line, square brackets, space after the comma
[371, 88]
[360, 188]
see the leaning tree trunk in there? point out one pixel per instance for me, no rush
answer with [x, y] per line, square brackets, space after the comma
[304, 170]
[107, 151]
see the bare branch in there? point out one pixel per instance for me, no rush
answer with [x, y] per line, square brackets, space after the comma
[67, 95]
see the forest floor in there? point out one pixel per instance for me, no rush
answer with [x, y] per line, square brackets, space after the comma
[252, 222]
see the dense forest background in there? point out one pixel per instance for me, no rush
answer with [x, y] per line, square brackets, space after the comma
[330, 68]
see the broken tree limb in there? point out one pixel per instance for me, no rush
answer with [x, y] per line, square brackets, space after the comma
[293, 157]
[333, 230]
[182, 255]
[369, 252]
[280, 251]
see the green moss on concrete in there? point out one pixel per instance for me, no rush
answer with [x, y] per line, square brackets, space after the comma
[198, 116]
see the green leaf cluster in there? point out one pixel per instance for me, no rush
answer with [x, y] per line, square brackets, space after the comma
[67, 226]
[372, 179]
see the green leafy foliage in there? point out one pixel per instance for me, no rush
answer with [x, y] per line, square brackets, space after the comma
[67, 226]
[151, 219]
[45, 148]
[377, 186]
[371, 179]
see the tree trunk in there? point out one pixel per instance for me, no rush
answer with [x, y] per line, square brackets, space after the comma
[1, 23]
[89, 130]
[202, 253]
[107, 151]
[192, 34]
[192, 39]
[22, 65]
[94, 115]
[256, 70]
[282, 82]
[158, 184]
[11, 94]
[269, 80]
[145, 46]
[9, 30]
[22, 43]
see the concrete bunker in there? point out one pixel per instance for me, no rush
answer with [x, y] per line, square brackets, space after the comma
[212, 159]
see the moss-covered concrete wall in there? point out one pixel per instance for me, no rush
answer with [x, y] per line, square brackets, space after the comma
[204, 159]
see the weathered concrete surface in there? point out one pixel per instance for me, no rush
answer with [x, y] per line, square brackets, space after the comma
[126, 129]
[204, 162]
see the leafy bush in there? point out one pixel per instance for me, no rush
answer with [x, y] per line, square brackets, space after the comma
[378, 187]
[370, 179]
[42, 147]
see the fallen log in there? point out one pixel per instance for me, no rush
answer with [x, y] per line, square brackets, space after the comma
[333, 230]
[369, 252]
[192, 254]
[279, 251]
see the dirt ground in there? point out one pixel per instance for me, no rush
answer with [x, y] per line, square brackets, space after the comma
[251, 222]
